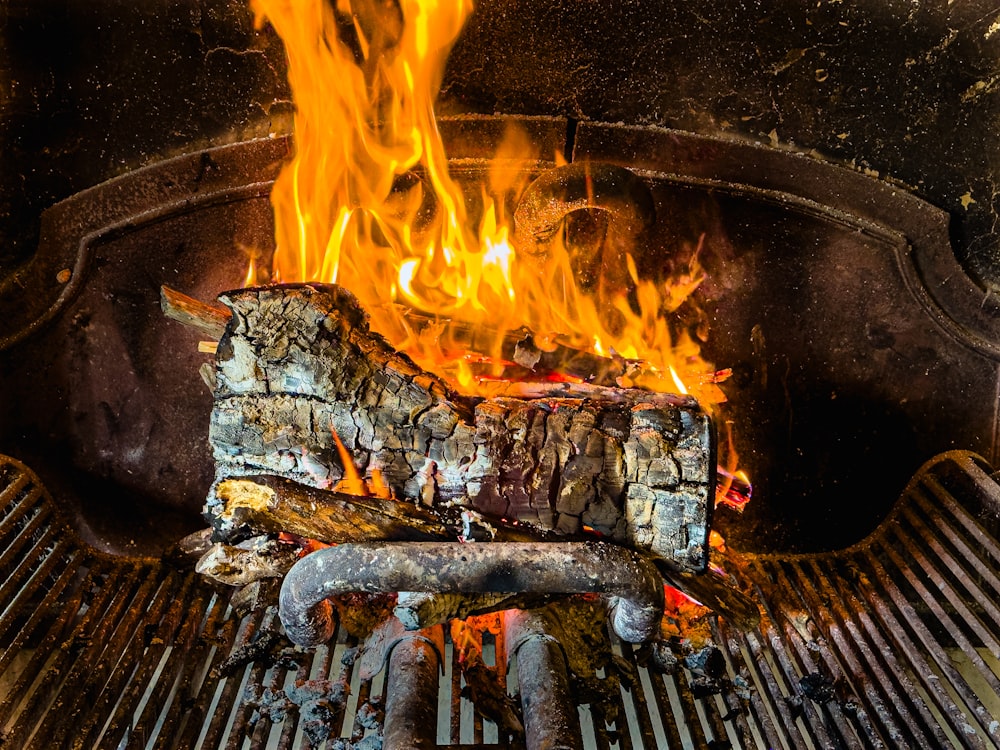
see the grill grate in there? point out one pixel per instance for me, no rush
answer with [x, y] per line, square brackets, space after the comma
[894, 642]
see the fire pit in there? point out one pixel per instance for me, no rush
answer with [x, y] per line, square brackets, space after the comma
[248, 645]
[818, 389]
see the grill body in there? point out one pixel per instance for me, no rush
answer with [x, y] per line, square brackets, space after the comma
[890, 643]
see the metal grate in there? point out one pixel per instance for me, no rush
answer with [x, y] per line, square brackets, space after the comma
[891, 643]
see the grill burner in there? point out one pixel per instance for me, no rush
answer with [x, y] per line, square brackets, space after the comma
[890, 643]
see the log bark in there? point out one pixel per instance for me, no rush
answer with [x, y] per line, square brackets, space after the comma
[297, 364]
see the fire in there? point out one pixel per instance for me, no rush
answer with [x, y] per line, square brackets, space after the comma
[367, 202]
[352, 482]
[734, 488]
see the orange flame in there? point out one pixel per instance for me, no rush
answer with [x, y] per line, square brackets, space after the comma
[368, 202]
[352, 483]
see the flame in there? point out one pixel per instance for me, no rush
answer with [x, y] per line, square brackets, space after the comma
[352, 483]
[734, 488]
[251, 275]
[367, 202]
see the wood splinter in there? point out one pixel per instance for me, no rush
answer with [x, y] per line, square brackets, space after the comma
[209, 319]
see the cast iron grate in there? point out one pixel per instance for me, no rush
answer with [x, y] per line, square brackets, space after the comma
[890, 643]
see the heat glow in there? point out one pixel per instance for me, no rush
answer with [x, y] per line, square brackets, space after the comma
[368, 202]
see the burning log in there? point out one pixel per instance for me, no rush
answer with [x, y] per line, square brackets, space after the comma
[298, 368]
[518, 349]
[272, 504]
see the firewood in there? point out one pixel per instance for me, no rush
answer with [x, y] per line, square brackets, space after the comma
[298, 364]
[209, 319]
[715, 591]
[272, 504]
[517, 348]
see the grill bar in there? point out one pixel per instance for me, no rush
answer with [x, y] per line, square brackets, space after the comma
[102, 656]
[939, 662]
[861, 646]
[150, 676]
[894, 642]
[229, 687]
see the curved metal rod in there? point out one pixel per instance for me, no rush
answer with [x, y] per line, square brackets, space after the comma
[559, 191]
[635, 586]
[601, 259]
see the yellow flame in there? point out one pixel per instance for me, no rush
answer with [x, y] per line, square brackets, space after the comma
[368, 202]
[351, 482]
[251, 275]
[681, 388]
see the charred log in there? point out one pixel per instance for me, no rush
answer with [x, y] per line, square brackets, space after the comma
[298, 365]
[518, 349]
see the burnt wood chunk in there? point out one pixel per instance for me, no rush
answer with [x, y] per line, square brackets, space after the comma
[298, 365]
[251, 560]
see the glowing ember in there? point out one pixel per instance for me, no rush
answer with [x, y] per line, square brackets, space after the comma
[734, 488]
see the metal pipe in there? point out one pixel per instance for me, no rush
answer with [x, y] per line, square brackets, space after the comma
[412, 692]
[549, 710]
[635, 586]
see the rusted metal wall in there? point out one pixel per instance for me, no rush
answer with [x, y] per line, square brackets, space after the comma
[904, 89]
